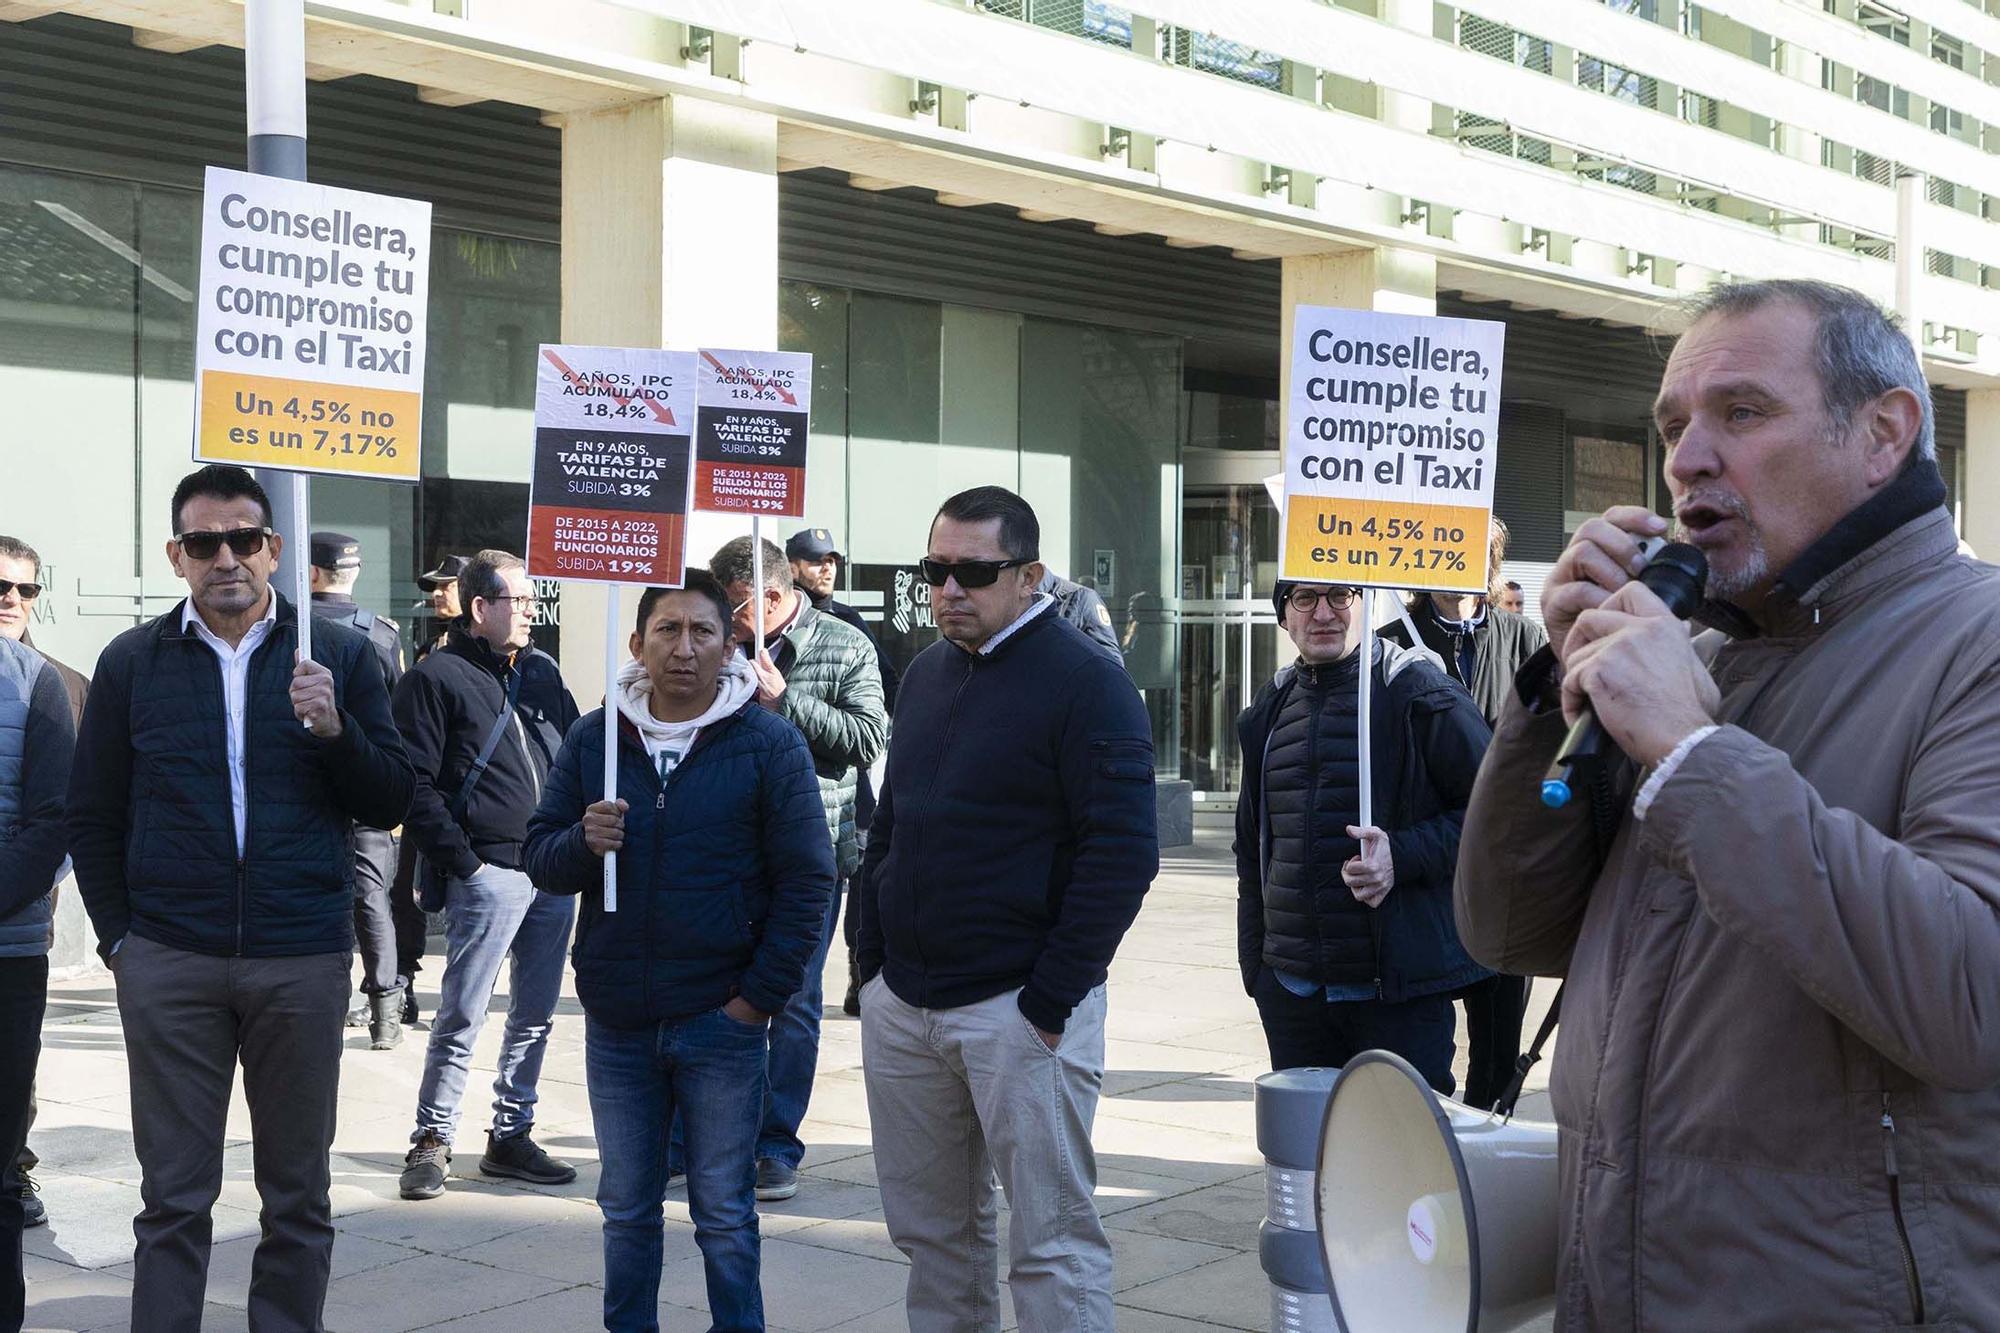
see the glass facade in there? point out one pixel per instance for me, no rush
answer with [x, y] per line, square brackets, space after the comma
[915, 400]
[97, 327]
[912, 401]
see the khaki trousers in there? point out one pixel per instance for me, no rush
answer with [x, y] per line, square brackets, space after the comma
[953, 1096]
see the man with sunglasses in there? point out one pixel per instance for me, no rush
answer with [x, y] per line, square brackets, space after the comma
[484, 717]
[20, 588]
[1012, 845]
[211, 810]
[1344, 932]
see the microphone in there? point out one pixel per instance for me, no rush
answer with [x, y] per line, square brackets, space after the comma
[1676, 573]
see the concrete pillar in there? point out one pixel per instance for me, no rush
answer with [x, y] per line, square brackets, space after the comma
[669, 239]
[1979, 497]
[1382, 279]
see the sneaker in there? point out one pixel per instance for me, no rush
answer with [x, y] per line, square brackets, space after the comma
[775, 1180]
[424, 1170]
[521, 1158]
[33, 1214]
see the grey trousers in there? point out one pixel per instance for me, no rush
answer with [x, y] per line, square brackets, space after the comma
[953, 1095]
[189, 1019]
[374, 921]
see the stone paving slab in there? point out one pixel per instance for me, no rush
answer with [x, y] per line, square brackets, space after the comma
[1180, 1181]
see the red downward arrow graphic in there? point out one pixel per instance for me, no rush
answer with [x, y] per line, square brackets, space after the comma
[660, 410]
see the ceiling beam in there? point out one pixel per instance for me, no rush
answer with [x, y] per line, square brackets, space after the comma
[1107, 229]
[15, 11]
[449, 97]
[172, 43]
[950, 200]
[1042, 215]
[875, 184]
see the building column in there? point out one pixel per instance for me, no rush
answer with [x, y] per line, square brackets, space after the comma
[669, 239]
[1979, 500]
[1387, 279]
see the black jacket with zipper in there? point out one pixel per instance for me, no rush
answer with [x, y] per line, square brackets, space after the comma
[152, 828]
[1299, 793]
[445, 707]
[1016, 834]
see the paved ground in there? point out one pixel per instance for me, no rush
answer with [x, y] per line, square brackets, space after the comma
[1181, 1189]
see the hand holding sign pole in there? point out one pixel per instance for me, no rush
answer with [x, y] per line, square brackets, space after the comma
[610, 491]
[1391, 449]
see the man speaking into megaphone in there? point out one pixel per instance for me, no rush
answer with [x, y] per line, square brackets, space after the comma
[1778, 1087]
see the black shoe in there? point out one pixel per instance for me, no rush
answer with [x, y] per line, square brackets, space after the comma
[409, 1004]
[851, 1006]
[775, 1180]
[522, 1159]
[33, 1214]
[357, 1013]
[385, 1021]
[425, 1168]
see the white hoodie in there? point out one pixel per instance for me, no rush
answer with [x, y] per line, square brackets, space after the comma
[667, 743]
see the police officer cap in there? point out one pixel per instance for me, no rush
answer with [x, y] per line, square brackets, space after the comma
[811, 544]
[447, 571]
[335, 551]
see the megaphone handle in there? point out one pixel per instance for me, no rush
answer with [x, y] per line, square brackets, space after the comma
[1504, 1108]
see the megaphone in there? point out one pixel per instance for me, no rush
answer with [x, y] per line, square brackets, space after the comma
[1431, 1215]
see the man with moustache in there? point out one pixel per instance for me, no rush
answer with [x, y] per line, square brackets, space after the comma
[1779, 1081]
[1014, 841]
[212, 803]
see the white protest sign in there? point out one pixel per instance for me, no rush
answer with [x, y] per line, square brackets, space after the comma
[750, 439]
[309, 344]
[1391, 449]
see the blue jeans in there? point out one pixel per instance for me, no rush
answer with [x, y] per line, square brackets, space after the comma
[793, 1060]
[712, 1067]
[495, 914]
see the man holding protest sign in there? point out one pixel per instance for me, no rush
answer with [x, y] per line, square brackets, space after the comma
[724, 875]
[821, 676]
[211, 833]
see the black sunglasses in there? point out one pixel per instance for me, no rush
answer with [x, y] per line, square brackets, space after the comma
[969, 573]
[29, 591]
[207, 545]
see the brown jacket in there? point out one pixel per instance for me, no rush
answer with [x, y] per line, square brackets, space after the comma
[1784, 983]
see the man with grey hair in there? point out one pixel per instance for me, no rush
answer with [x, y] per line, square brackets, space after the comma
[1781, 938]
[820, 674]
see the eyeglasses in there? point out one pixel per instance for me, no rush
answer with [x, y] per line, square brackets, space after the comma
[969, 573]
[1306, 600]
[526, 600]
[207, 545]
[28, 591]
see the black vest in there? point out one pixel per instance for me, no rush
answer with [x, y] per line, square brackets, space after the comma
[1314, 926]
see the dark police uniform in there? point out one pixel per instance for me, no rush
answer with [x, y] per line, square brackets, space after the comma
[376, 924]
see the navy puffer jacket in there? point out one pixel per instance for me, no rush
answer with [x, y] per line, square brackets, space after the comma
[723, 881]
[152, 829]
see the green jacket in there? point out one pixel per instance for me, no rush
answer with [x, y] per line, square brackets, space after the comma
[833, 694]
